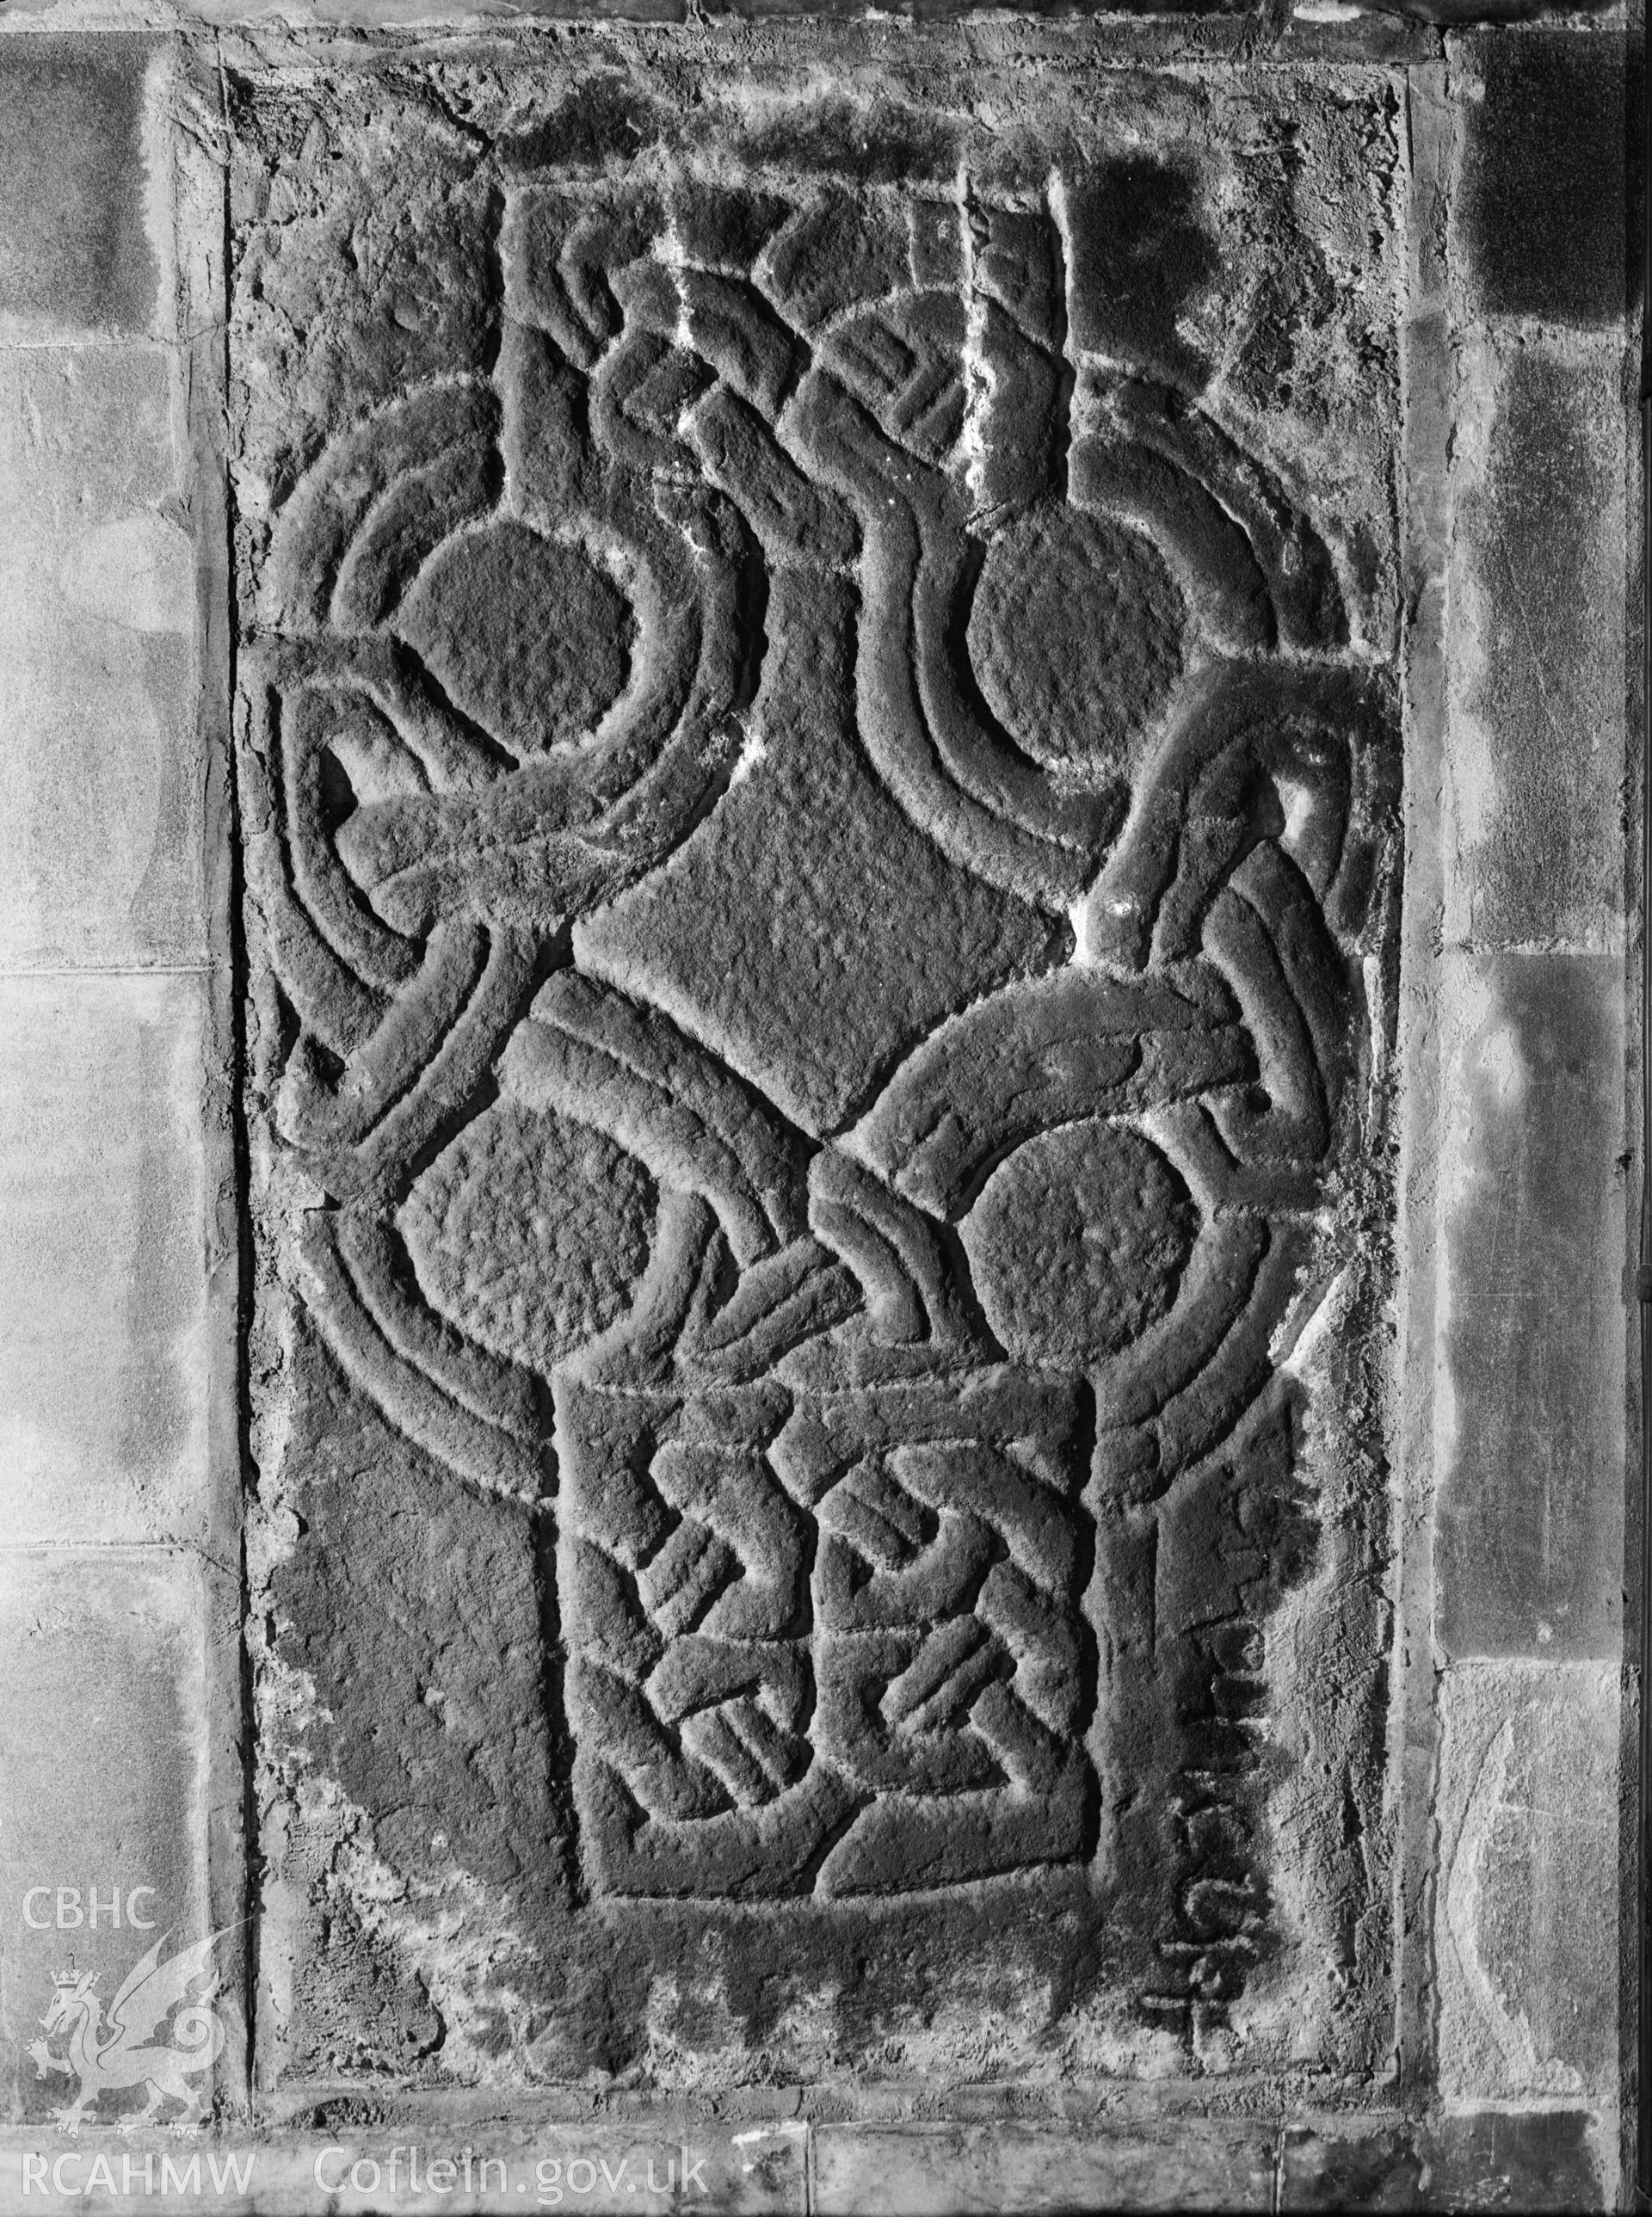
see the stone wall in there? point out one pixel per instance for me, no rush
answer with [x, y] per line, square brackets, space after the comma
[817, 1161]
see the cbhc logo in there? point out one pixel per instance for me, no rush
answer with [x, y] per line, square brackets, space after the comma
[65, 1909]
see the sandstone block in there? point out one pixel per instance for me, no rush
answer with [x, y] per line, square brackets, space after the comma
[75, 248]
[1527, 1937]
[1540, 2160]
[103, 1790]
[820, 835]
[934, 2170]
[1530, 1390]
[101, 813]
[1539, 214]
[105, 1370]
[1537, 732]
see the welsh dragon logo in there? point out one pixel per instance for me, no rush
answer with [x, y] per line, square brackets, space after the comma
[108, 2056]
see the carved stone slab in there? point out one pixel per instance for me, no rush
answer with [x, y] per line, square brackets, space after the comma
[818, 786]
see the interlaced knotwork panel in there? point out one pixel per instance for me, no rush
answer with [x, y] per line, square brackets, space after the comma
[818, 804]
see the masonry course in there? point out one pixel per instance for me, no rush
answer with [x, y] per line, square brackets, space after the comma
[1530, 1501]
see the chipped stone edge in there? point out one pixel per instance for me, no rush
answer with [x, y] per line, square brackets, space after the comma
[1321, 31]
[186, 156]
[1425, 428]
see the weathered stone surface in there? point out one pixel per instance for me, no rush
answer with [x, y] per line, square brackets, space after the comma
[102, 818]
[76, 251]
[1394, 32]
[1537, 738]
[819, 635]
[106, 1353]
[934, 2170]
[819, 782]
[106, 1682]
[1527, 1941]
[1551, 2160]
[1529, 1411]
[1469, 15]
[1538, 217]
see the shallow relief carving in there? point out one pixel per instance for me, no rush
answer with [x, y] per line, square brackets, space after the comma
[852, 1416]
